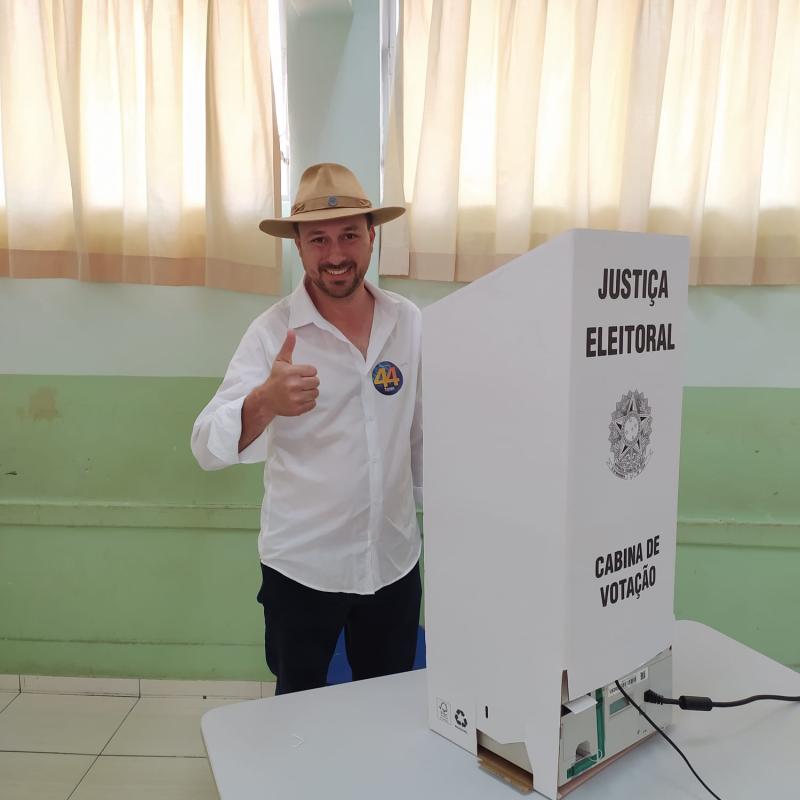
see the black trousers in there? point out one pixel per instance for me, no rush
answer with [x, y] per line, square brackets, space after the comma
[302, 625]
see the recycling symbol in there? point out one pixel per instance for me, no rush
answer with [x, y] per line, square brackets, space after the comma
[461, 718]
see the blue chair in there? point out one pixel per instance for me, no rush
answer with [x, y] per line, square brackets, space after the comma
[339, 670]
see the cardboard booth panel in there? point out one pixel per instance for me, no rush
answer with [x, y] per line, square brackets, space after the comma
[486, 463]
[496, 353]
[631, 291]
[552, 422]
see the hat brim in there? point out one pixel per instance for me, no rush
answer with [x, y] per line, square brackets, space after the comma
[284, 226]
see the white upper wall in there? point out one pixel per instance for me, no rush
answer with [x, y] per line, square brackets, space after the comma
[63, 327]
[737, 336]
[744, 336]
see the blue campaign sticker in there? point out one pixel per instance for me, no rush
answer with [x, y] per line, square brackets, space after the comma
[387, 378]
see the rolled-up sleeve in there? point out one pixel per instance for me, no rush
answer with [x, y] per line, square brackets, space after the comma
[216, 432]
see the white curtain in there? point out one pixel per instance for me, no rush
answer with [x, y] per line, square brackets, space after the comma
[138, 142]
[513, 120]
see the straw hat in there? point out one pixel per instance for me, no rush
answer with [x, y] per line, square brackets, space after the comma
[328, 191]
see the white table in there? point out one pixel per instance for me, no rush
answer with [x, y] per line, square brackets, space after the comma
[370, 741]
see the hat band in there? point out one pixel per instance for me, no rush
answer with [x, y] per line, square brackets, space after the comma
[331, 201]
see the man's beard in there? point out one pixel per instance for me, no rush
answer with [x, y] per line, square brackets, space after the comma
[344, 289]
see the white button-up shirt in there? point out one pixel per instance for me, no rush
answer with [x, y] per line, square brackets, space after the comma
[339, 510]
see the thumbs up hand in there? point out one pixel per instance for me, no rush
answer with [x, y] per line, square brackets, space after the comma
[287, 348]
[291, 389]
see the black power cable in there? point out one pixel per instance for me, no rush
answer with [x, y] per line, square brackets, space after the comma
[672, 744]
[691, 703]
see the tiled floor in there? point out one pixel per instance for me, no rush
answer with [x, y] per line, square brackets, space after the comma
[59, 746]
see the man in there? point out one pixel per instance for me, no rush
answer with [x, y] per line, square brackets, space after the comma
[325, 387]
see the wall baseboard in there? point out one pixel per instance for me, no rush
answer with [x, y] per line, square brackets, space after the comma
[135, 687]
[752, 531]
[89, 514]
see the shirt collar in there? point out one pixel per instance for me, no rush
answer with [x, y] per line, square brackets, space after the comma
[302, 310]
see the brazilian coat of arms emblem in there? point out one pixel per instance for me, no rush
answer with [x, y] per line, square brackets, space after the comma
[629, 434]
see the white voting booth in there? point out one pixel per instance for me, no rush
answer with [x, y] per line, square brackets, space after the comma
[553, 391]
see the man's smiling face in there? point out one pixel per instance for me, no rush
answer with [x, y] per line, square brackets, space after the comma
[336, 253]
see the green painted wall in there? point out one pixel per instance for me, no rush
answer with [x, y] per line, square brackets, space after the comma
[738, 565]
[119, 556]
